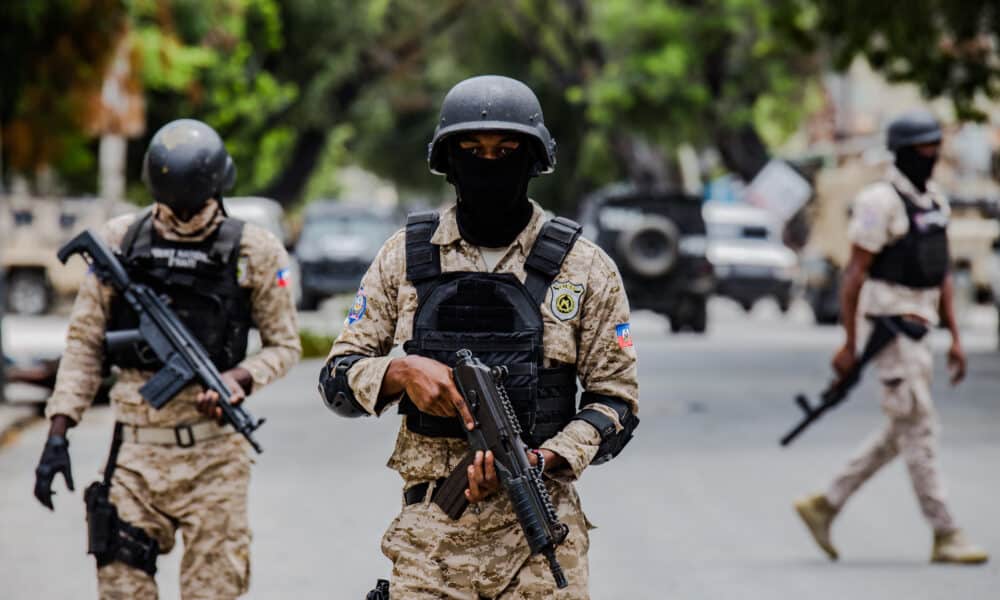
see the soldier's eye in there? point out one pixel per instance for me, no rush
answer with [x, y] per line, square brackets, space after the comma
[504, 151]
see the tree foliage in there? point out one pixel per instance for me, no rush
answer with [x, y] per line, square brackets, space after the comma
[299, 87]
[948, 47]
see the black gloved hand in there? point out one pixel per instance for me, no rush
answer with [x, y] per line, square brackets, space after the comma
[55, 459]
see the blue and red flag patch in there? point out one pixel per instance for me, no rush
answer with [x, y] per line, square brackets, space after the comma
[624, 334]
[283, 278]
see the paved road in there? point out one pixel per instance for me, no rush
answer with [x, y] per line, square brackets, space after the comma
[697, 508]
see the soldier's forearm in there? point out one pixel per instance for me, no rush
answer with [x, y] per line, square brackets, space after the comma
[947, 307]
[851, 289]
[394, 381]
[60, 424]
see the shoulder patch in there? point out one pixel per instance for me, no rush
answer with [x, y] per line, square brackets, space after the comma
[359, 307]
[283, 278]
[243, 270]
[565, 299]
[624, 334]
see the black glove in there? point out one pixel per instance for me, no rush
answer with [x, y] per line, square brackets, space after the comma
[55, 459]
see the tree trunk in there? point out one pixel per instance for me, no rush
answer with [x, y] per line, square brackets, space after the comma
[112, 151]
[288, 186]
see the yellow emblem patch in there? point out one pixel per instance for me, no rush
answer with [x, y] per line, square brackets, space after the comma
[565, 302]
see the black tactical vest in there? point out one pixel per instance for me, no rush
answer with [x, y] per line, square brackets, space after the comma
[920, 258]
[496, 317]
[200, 279]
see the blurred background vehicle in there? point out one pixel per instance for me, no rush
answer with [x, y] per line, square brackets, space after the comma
[657, 238]
[749, 258]
[31, 230]
[337, 243]
[269, 215]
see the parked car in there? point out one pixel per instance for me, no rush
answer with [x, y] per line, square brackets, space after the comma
[337, 243]
[750, 260]
[269, 215]
[31, 231]
[657, 238]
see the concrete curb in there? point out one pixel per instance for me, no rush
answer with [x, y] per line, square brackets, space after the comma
[15, 416]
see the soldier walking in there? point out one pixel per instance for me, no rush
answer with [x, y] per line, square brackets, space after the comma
[491, 274]
[177, 468]
[899, 267]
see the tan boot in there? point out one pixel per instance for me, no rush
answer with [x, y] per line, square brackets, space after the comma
[952, 547]
[818, 514]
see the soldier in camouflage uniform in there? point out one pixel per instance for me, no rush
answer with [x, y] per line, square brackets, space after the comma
[177, 467]
[442, 284]
[898, 266]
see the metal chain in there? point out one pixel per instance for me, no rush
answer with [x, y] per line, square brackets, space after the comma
[498, 374]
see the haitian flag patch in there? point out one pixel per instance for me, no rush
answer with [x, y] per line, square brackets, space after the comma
[283, 278]
[624, 334]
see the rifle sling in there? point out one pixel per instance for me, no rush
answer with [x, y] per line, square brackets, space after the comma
[116, 445]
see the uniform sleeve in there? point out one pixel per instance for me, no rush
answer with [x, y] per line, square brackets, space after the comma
[606, 362]
[273, 308]
[80, 367]
[869, 227]
[370, 326]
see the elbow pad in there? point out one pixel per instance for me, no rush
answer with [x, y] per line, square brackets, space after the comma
[612, 441]
[334, 389]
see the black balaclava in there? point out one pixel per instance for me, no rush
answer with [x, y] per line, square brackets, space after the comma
[493, 205]
[915, 166]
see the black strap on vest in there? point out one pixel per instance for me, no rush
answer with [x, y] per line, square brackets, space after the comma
[547, 255]
[554, 242]
[423, 259]
[132, 233]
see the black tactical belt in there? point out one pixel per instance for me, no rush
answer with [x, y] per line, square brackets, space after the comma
[417, 493]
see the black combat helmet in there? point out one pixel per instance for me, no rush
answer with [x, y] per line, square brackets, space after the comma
[186, 164]
[912, 129]
[492, 102]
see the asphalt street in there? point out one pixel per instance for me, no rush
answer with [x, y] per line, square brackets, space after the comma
[697, 507]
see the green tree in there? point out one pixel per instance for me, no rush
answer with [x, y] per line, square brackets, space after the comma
[54, 53]
[947, 47]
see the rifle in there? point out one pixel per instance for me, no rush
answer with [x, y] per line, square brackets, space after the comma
[381, 591]
[184, 359]
[885, 330]
[497, 429]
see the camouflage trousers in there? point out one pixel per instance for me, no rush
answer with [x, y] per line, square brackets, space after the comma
[483, 555]
[905, 371]
[202, 491]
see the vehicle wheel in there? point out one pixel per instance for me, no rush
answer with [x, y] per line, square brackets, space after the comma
[650, 250]
[699, 315]
[676, 325]
[784, 303]
[28, 293]
[308, 301]
[747, 305]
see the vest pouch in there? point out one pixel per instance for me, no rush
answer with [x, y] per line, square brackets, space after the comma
[555, 403]
[932, 258]
[518, 351]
